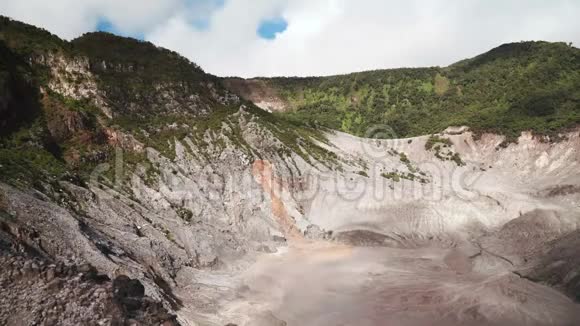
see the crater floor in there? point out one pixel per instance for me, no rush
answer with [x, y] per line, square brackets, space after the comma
[464, 258]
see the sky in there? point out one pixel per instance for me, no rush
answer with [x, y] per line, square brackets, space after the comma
[250, 38]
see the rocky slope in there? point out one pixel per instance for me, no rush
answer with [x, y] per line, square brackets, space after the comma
[149, 176]
[137, 189]
[463, 247]
[40, 291]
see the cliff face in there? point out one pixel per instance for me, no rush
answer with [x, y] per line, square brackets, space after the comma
[151, 193]
[139, 165]
[260, 92]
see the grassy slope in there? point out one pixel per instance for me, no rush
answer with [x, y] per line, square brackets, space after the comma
[515, 87]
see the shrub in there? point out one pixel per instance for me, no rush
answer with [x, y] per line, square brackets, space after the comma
[392, 175]
[363, 173]
[185, 214]
[434, 139]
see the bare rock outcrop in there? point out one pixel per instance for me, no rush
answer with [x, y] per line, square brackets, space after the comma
[37, 291]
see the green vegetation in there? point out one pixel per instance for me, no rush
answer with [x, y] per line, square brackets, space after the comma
[18, 91]
[168, 235]
[441, 84]
[392, 175]
[28, 151]
[457, 159]
[397, 176]
[515, 87]
[142, 81]
[442, 148]
[184, 213]
[434, 139]
[24, 164]
[296, 136]
[27, 40]
[363, 173]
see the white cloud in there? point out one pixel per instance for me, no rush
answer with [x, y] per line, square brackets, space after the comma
[70, 18]
[66, 18]
[323, 36]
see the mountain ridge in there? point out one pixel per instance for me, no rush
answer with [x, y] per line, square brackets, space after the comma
[515, 87]
[512, 88]
[137, 189]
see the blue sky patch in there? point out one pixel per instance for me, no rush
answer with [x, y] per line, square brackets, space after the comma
[269, 28]
[201, 24]
[105, 25]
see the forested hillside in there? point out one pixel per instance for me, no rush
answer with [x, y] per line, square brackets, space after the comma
[512, 88]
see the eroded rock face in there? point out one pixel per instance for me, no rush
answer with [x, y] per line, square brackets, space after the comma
[72, 78]
[316, 233]
[198, 223]
[37, 291]
[190, 214]
[454, 130]
[258, 92]
[558, 265]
